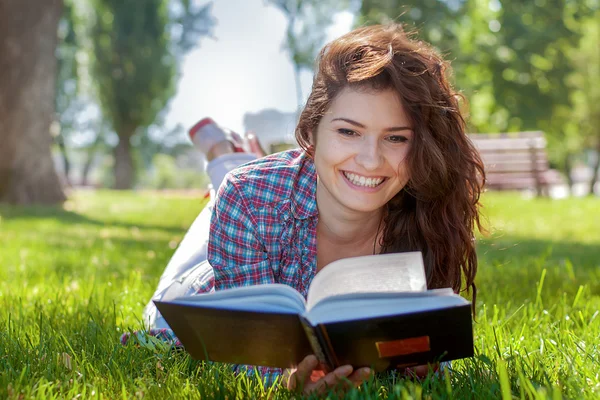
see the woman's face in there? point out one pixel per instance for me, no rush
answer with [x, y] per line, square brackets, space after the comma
[361, 145]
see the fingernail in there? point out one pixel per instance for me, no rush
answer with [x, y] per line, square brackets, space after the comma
[366, 372]
[344, 371]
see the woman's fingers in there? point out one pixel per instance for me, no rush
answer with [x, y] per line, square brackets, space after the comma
[310, 379]
[302, 373]
[330, 380]
[288, 378]
[359, 376]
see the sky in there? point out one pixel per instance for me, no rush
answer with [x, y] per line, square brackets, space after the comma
[243, 69]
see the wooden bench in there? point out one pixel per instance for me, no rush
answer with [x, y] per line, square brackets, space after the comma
[516, 161]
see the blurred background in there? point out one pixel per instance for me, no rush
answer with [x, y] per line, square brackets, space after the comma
[100, 93]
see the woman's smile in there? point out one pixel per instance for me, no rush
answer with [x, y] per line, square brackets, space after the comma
[362, 182]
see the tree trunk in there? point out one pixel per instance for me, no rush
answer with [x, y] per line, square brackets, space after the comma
[123, 169]
[568, 172]
[595, 167]
[28, 40]
[89, 160]
[87, 168]
[60, 140]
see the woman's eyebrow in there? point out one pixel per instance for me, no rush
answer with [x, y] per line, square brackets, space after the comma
[359, 125]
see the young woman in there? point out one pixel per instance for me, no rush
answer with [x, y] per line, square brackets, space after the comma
[384, 166]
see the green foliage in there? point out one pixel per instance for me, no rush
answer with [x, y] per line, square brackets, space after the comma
[70, 100]
[585, 82]
[67, 84]
[193, 23]
[530, 66]
[73, 279]
[135, 49]
[134, 68]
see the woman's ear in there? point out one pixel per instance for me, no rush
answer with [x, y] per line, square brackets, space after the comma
[311, 138]
[311, 143]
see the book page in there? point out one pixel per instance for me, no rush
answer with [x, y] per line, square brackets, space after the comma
[354, 307]
[260, 298]
[396, 272]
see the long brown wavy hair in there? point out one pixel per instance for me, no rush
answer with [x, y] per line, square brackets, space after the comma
[437, 211]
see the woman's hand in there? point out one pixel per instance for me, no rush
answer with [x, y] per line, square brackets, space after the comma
[309, 378]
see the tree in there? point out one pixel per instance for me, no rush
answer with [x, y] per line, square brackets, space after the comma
[136, 51]
[66, 102]
[307, 22]
[28, 39]
[585, 84]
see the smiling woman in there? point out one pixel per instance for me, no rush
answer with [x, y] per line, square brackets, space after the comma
[360, 150]
[385, 166]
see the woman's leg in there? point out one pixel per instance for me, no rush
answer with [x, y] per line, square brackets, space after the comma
[187, 271]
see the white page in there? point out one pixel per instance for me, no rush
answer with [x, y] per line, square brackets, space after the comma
[268, 298]
[347, 308]
[396, 272]
[260, 303]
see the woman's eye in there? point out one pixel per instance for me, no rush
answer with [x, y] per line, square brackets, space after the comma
[346, 132]
[397, 139]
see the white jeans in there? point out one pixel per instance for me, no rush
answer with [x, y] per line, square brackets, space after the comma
[188, 267]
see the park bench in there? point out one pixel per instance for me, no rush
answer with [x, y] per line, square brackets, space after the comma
[516, 161]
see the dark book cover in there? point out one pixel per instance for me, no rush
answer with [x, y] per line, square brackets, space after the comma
[238, 337]
[399, 341]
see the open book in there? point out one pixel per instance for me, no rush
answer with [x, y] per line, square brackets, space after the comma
[365, 311]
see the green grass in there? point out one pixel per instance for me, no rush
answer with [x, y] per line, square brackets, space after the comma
[73, 279]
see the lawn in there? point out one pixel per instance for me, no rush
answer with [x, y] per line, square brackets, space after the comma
[73, 279]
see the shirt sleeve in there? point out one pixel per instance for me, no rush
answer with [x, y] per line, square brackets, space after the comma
[236, 251]
[238, 254]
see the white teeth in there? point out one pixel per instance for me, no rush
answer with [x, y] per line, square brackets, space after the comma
[362, 181]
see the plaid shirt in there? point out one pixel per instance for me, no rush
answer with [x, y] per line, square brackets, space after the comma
[263, 230]
[263, 227]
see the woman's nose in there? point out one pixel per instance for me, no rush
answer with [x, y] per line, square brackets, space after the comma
[369, 155]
